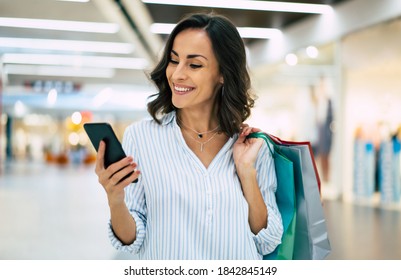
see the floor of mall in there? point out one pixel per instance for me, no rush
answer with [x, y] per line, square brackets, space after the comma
[50, 212]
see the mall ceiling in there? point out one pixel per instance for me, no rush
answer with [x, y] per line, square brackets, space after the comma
[53, 49]
[133, 17]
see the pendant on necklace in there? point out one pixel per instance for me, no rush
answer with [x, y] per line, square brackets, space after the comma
[200, 135]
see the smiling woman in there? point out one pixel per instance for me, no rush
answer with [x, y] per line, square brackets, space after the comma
[204, 190]
[193, 72]
[226, 52]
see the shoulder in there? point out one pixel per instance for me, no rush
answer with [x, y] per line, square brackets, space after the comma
[140, 124]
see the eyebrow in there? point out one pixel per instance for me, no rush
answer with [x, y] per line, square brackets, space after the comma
[190, 55]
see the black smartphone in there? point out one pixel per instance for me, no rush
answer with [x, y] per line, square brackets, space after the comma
[103, 131]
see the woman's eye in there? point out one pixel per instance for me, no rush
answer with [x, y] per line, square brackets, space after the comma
[195, 66]
[172, 61]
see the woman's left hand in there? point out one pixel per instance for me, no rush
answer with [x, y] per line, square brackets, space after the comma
[246, 150]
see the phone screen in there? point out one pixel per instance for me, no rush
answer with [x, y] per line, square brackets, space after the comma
[103, 131]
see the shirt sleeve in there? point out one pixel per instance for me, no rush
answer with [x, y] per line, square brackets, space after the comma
[135, 201]
[268, 238]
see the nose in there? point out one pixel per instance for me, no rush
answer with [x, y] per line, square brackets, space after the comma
[179, 73]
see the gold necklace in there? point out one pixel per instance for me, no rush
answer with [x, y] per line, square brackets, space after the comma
[200, 134]
[202, 143]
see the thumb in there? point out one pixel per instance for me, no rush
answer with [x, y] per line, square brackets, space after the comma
[100, 155]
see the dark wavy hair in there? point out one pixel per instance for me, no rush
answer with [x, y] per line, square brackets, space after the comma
[235, 101]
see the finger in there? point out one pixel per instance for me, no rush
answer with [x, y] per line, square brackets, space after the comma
[241, 138]
[249, 130]
[119, 165]
[246, 131]
[128, 180]
[255, 129]
[125, 177]
[100, 156]
[120, 174]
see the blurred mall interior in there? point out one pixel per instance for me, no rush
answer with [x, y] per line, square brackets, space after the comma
[335, 68]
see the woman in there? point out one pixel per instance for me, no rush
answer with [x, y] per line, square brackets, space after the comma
[204, 190]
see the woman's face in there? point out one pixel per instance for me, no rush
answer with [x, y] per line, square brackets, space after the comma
[193, 71]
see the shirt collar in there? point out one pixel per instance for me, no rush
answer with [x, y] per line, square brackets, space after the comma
[168, 118]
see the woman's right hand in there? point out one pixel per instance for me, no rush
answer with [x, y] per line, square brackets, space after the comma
[110, 178]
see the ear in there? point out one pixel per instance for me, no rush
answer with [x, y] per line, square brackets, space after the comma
[221, 80]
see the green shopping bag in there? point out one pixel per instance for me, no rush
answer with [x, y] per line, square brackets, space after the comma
[285, 197]
[311, 236]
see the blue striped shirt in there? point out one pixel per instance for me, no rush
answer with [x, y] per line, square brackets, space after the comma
[184, 210]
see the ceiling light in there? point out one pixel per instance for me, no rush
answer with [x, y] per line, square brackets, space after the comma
[312, 52]
[52, 97]
[58, 71]
[62, 25]
[245, 32]
[66, 45]
[76, 61]
[258, 33]
[250, 5]
[291, 59]
[162, 28]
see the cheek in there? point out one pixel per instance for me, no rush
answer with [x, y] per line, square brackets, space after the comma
[170, 72]
[214, 83]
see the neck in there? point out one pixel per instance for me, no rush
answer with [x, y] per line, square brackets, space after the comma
[197, 121]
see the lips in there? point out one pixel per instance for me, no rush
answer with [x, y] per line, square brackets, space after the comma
[182, 90]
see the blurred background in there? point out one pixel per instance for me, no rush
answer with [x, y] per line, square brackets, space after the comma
[324, 71]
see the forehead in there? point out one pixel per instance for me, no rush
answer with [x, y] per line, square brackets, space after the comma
[193, 41]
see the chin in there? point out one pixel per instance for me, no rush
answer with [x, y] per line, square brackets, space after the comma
[180, 101]
[178, 105]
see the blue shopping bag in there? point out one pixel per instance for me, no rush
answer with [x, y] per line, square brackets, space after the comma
[310, 237]
[285, 197]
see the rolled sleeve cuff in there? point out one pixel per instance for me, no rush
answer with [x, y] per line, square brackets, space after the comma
[134, 247]
[269, 238]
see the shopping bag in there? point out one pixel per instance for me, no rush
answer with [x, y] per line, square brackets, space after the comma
[281, 142]
[285, 197]
[311, 236]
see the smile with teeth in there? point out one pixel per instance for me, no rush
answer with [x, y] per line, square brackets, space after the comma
[182, 90]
